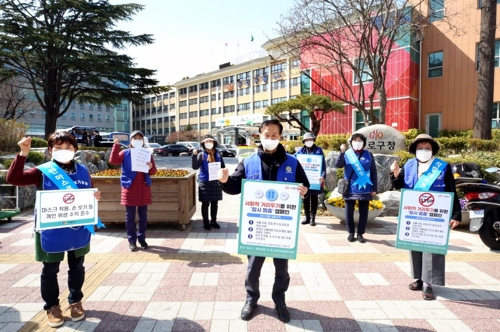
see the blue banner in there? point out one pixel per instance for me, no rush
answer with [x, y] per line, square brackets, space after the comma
[426, 180]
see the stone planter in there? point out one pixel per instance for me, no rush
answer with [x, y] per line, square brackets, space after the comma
[340, 213]
[174, 199]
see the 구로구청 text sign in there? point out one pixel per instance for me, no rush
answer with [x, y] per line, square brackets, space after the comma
[269, 219]
[312, 165]
[65, 208]
[424, 218]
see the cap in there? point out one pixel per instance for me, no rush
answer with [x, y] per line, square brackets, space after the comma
[308, 136]
[135, 132]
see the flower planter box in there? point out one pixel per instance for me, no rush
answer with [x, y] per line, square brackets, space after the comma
[174, 199]
[339, 213]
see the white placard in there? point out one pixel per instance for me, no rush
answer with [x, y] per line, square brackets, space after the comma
[140, 158]
[65, 208]
[313, 166]
[213, 168]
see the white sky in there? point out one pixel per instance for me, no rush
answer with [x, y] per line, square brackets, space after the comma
[190, 35]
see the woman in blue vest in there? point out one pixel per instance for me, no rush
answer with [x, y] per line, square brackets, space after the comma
[62, 146]
[427, 268]
[360, 169]
[136, 189]
[311, 200]
[270, 163]
[209, 192]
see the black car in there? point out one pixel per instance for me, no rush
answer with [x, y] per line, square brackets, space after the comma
[171, 150]
[226, 150]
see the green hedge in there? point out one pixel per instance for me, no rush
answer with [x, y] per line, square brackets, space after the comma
[35, 157]
[38, 142]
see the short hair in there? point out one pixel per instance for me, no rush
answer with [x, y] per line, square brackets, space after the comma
[60, 137]
[358, 135]
[274, 122]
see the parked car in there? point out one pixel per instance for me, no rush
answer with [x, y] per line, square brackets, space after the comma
[226, 150]
[153, 146]
[171, 150]
[191, 145]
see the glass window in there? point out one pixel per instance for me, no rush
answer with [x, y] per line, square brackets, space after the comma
[82, 116]
[436, 10]
[497, 54]
[360, 123]
[363, 73]
[435, 64]
[495, 117]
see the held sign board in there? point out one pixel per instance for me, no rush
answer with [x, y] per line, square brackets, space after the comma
[424, 218]
[65, 208]
[312, 165]
[269, 219]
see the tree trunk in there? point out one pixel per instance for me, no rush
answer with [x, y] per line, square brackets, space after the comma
[484, 103]
[315, 126]
[50, 122]
[382, 95]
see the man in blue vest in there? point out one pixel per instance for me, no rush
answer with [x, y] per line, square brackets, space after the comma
[270, 163]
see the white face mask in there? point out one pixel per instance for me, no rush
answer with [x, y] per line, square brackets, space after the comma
[423, 155]
[269, 144]
[357, 145]
[209, 146]
[137, 143]
[63, 156]
[309, 144]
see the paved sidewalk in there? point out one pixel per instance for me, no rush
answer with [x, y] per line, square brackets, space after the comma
[194, 281]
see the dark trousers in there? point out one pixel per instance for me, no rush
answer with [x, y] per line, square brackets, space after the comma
[310, 204]
[281, 279]
[214, 206]
[132, 235]
[50, 287]
[363, 215]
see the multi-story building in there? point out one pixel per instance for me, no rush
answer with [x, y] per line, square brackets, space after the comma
[104, 118]
[229, 102]
[449, 70]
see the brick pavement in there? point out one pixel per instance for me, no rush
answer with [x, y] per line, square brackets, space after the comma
[193, 281]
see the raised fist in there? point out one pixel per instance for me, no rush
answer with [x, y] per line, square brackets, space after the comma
[395, 168]
[342, 148]
[25, 145]
[195, 152]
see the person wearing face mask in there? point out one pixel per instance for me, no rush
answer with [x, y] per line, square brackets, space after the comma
[209, 192]
[311, 201]
[361, 171]
[136, 189]
[51, 244]
[427, 268]
[269, 163]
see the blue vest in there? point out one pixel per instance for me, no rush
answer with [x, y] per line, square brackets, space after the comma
[366, 162]
[286, 171]
[65, 239]
[411, 176]
[128, 175]
[203, 175]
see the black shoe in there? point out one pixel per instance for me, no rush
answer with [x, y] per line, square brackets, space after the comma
[207, 226]
[132, 246]
[306, 221]
[215, 225]
[427, 293]
[143, 244]
[283, 313]
[313, 220]
[416, 285]
[351, 238]
[247, 311]
[361, 238]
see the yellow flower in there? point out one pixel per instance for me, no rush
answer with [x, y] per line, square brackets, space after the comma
[340, 203]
